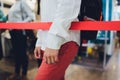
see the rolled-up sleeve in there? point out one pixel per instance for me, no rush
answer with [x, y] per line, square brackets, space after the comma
[66, 12]
[39, 39]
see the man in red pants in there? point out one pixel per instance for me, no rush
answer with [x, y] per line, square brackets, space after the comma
[59, 44]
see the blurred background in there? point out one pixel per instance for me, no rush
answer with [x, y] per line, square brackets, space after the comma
[99, 59]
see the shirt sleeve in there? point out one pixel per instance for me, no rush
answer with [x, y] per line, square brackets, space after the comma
[39, 39]
[66, 12]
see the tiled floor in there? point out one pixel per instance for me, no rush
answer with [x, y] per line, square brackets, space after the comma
[74, 72]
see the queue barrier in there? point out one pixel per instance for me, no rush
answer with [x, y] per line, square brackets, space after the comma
[85, 25]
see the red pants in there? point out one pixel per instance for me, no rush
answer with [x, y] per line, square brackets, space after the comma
[57, 71]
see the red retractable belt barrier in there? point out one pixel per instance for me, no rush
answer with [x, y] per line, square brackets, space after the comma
[86, 25]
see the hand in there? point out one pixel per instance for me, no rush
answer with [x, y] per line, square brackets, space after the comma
[37, 52]
[51, 56]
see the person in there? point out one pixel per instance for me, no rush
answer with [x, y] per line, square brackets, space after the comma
[3, 18]
[20, 12]
[1, 52]
[118, 2]
[58, 45]
[116, 17]
[88, 12]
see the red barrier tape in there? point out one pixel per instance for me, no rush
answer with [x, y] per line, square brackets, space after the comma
[86, 25]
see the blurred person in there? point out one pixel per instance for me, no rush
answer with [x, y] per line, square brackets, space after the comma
[3, 18]
[88, 12]
[58, 45]
[116, 17]
[1, 52]
[118, 2]
[20, 12]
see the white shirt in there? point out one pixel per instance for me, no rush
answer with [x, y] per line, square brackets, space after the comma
[21, 12]
[61, 13]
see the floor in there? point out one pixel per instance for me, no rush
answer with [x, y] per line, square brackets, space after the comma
[110, 72]
[74, 71]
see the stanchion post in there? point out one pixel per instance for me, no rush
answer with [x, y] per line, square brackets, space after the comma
[105, 50]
